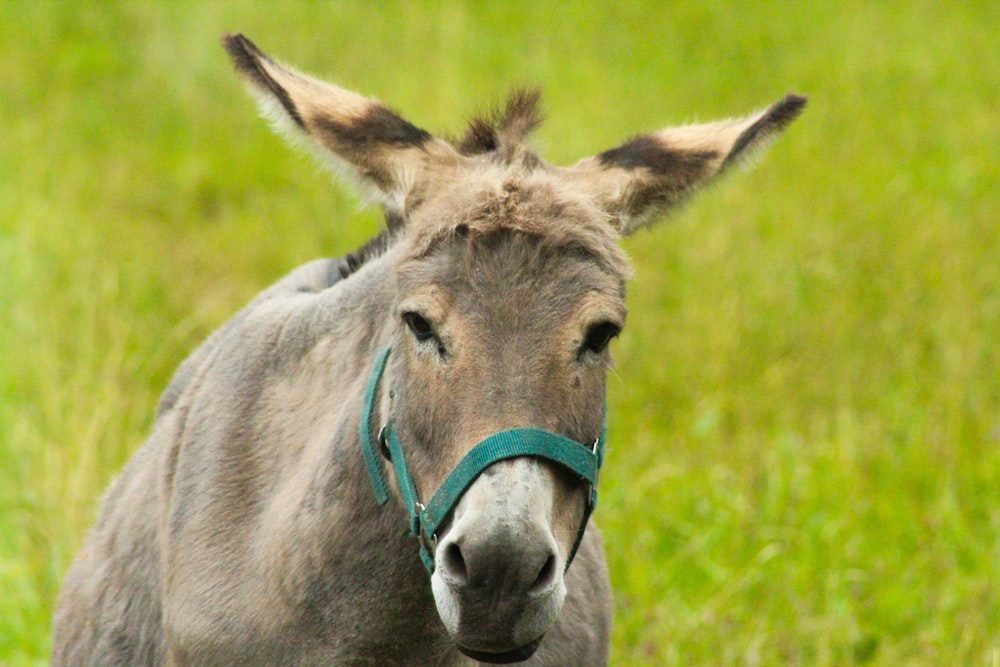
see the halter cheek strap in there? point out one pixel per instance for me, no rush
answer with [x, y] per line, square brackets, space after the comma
[583, 461]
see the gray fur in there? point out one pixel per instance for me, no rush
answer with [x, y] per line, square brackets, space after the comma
[228, 535]
[245, 530]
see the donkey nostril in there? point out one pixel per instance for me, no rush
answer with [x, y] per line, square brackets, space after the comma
[545, 576]
[454, 563]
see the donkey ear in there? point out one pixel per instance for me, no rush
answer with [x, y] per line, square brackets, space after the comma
[653, 173]
[384, 151]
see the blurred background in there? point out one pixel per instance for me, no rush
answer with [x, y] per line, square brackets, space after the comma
[805, 415]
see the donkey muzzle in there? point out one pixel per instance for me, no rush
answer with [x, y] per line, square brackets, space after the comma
[498, 578]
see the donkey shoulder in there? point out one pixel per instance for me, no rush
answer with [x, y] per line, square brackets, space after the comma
[312, 277]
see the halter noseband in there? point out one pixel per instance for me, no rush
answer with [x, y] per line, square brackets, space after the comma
[583, 461]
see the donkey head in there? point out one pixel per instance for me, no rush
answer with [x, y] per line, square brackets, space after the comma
[509, 285]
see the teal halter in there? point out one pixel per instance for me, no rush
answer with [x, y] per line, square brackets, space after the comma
[425, 520]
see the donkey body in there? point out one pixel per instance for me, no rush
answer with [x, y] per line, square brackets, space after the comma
[245, 531]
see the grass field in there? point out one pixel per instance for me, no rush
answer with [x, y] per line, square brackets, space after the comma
[805, 429]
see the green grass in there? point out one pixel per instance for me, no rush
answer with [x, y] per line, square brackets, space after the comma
[805, 462]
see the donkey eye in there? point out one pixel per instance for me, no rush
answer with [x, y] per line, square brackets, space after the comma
[421, 328]
[598, 337]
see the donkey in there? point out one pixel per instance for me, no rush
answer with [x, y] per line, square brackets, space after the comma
[416, 426]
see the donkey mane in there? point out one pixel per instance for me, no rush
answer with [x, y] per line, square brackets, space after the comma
[373, 248]
[505, 126]
[498, 133]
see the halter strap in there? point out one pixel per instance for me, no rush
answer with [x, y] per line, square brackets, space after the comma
[368, 445]
[583, 461]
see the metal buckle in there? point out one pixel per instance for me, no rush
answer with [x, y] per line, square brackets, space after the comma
[429, 544]
[383, 446]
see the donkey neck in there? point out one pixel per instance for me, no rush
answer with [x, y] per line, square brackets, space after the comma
[320, 520]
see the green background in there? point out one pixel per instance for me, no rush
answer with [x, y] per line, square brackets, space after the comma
[805, 427]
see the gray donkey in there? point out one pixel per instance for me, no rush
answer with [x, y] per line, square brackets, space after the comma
[391, 459]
